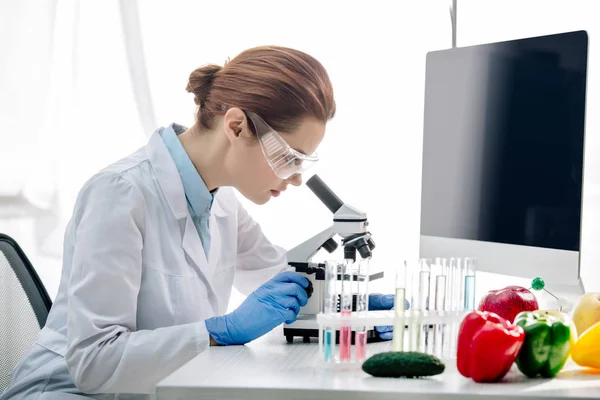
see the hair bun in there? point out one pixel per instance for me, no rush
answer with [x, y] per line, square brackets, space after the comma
[201, 81]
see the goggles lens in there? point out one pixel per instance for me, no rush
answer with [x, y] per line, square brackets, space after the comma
[284, 160]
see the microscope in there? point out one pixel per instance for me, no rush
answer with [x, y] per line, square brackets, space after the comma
[348, 223]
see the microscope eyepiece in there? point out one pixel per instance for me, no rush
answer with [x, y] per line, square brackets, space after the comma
[324, 193]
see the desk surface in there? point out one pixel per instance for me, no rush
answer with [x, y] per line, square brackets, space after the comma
[269, 368]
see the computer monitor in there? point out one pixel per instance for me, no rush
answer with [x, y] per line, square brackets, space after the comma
[503, 156]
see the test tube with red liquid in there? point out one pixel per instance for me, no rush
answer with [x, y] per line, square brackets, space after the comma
[346, 309]
[362, 306]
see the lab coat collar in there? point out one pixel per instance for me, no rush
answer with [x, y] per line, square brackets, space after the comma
[170, 182]
[198, 197]
[169, 179]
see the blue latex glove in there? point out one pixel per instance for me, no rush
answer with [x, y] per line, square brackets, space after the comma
[384, 302]
[276, 301]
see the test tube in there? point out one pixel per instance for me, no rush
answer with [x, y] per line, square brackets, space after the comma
[399, 307]
[362, 306]
[469, 295]
[454, 285]
[421, 282]
[454, 305]
[330, 307]
[346, 309]
[441, 281]
[413, 328]
[425, 298]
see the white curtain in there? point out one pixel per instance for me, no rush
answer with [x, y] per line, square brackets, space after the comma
[67, 109]
[29, 209]
[136, 60]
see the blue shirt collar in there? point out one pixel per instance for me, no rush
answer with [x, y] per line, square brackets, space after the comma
[198, 197]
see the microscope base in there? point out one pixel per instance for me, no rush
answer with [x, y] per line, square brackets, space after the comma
[306, 327]
[307, 334]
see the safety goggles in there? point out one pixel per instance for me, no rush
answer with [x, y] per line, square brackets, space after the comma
[284, 160]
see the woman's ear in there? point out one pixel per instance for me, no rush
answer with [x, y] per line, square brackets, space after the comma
[235, 124]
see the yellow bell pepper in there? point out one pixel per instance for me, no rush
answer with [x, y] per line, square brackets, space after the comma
[586, 352]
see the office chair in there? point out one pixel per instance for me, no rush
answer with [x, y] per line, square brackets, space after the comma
[24, 306]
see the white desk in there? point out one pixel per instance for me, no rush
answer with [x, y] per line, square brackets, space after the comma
[271, 369]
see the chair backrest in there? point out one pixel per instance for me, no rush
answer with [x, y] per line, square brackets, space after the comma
[24, 306]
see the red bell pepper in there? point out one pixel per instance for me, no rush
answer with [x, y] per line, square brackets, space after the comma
[488, 345]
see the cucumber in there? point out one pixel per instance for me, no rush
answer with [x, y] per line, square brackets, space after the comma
[407, 364]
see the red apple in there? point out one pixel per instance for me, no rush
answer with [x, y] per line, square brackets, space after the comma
[508, 302]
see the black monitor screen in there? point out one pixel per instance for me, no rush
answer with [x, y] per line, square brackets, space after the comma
[503, 142]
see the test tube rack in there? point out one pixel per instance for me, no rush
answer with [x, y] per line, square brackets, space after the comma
[440, 293]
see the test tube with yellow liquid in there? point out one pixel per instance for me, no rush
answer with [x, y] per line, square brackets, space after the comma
[399, 307]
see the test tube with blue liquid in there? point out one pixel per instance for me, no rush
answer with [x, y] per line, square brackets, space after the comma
[330, 301]
[469, 287]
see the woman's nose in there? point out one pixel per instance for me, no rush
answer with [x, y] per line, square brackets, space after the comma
[295, 180]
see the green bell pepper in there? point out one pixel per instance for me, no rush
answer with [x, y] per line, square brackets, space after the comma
[547, 343]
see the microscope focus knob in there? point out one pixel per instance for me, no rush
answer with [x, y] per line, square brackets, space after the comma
[330, 245]
[309, 289]
[371, 243]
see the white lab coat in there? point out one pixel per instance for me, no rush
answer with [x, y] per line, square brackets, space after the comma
[136, 285]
